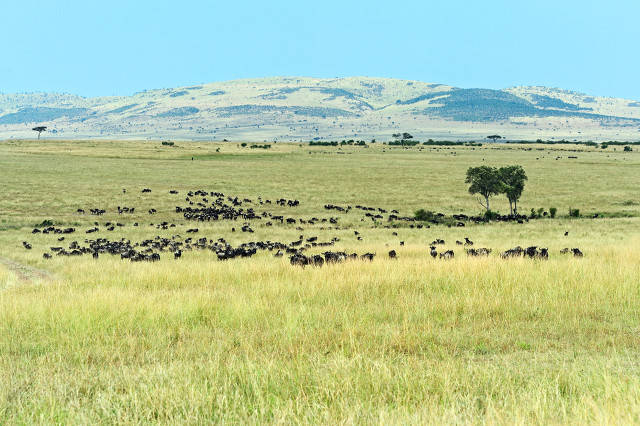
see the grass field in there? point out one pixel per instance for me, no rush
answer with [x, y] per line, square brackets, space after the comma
[412, 340]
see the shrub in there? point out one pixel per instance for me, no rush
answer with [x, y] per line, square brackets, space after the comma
[491, 215]
[574, 212]
[424, 215]
[166, 143]
[552, 212]
[627, 149]
[243, 144]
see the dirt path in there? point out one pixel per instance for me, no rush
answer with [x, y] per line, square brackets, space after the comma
[26, 274]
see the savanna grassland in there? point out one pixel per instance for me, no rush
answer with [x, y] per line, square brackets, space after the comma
[257, 340]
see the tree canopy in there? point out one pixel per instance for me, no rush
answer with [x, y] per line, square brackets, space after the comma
[39, 129]
[484, 180]
[513, 179]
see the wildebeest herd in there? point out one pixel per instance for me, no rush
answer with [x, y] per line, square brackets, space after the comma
[205, 206]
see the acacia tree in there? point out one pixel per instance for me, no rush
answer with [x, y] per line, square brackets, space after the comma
[513, 178]
[39, 129]
[494, 137]
[485, 181]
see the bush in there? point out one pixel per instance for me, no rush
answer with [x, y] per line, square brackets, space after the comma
[167, 143]
[243, 144]
[552, 212]
[491, 215]
[627, 149]
[574, 212]
[424, 215]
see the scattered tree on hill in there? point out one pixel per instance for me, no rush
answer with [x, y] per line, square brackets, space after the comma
[485, 181]
[403, 136]
[627, 149]
[513, 178]
[39, 129]
[494, 137]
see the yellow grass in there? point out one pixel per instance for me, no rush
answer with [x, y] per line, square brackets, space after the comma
[415, 340]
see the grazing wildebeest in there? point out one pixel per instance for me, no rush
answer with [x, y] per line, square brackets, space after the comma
[299, 259]
[514, 252]
[449, 254]
[478, 252]
[576, 252]
[467, 242]
[368, 256]
[393, 254]
[433, 252]
[26, 245]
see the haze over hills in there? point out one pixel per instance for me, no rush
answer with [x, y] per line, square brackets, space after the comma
[303, 109]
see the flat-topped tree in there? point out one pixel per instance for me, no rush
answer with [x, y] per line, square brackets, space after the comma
[494, 137]
[39, 129]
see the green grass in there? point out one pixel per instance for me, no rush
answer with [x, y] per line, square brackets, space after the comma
[415, 340]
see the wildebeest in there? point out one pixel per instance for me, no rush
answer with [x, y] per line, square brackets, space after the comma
[393, 254]
[449, 254]
[368, 256]
[478, 252]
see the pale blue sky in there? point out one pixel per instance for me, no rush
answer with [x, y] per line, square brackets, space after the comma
[119, 47]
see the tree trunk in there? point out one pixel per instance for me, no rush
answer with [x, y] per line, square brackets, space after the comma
[486, 197]
[515, 207]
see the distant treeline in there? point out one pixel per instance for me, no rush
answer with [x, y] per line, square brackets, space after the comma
[584, 143]
[336, 143]
[432, 142]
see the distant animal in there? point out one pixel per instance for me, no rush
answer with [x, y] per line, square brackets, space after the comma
[26, 245]
[449, 254]
[368, 256]
[393, 254]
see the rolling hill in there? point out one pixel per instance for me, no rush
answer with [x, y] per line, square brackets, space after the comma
[303, 109]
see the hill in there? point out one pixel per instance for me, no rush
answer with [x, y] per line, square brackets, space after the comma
[299, 108]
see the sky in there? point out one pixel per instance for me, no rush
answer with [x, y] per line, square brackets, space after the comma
[103, 48]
